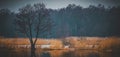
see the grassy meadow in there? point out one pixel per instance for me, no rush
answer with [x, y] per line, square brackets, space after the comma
[108, 44]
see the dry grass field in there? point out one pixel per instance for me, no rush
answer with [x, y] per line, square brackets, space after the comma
[94, 43]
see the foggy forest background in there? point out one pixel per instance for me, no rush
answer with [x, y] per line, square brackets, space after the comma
[73, 20]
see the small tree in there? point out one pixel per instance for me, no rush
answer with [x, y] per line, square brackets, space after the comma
[33, 21]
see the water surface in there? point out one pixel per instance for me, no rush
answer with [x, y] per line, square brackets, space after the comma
[56, 53]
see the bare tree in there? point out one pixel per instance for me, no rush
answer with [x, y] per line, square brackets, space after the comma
[33, 21]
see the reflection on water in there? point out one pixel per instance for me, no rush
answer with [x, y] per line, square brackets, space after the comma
[57, 53]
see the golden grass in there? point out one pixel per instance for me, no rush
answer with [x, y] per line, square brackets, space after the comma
[98, 43]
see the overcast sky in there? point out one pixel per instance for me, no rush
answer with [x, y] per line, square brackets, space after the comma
[55, 4]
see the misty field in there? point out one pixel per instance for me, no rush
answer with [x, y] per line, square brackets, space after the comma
[108, 44]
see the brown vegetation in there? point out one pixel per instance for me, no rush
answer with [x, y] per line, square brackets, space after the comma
[96, 43]
[10, 42]
[110, 44]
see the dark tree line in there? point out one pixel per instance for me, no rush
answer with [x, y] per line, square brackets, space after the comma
[72, 20]
[90, 21]
[7, 28]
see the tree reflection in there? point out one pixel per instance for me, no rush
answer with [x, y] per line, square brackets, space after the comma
[33, 54]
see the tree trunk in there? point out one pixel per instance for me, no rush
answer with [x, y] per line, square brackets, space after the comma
[33, 50]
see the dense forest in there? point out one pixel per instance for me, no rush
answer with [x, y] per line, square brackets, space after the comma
[73, 20]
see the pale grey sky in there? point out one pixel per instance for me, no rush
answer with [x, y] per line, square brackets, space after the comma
[55, 4]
